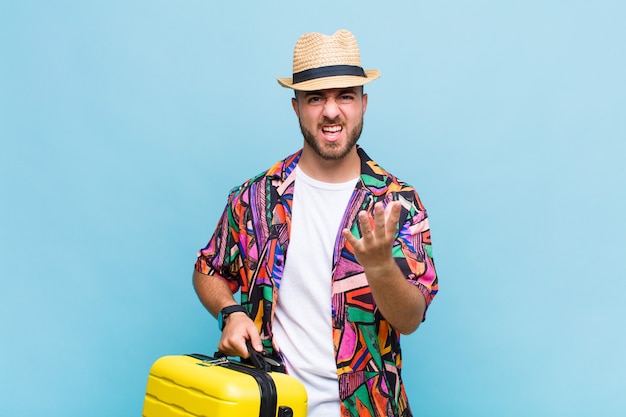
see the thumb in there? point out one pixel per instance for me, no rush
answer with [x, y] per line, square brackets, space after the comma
[255, 339]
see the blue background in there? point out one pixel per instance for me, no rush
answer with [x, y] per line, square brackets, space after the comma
[124, 124]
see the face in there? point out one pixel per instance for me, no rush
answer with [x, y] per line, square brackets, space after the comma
[331, 120]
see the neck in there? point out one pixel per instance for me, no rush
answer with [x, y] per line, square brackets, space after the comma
[340, 170]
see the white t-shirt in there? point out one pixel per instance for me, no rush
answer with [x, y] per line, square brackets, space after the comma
[302, 325]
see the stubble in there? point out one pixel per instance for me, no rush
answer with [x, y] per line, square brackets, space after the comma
[332, 151]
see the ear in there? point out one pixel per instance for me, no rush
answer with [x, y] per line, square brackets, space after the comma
[296, 108]
[364, 100]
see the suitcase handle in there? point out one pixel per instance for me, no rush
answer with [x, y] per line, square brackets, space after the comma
[263, 360]
[259, 360]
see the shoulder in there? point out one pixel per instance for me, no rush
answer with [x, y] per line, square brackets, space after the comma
[383, 183]
[275, 175]
[385, 186]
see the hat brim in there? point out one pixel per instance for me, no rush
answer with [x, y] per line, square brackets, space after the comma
[324, 83]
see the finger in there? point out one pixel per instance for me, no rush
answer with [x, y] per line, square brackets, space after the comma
[379, 219]
[351, 241]
[241, 348]
[392, 215]
[366, 223]
[255, 339]
[228, 347]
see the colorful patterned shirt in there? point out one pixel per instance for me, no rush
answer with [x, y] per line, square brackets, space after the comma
[248, 251]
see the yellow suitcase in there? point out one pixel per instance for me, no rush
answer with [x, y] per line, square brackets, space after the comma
[198, 385]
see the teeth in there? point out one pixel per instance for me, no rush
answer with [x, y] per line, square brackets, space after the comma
[332, 129]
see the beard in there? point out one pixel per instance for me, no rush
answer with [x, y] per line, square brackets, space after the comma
[333, 151]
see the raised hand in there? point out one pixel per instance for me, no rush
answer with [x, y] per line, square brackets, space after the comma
[373, 249]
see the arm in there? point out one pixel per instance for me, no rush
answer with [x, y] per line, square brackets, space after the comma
[401, 302]
[215, 294]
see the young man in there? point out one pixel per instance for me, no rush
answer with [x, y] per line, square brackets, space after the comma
[331, 253]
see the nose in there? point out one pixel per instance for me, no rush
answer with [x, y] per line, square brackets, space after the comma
[331, 109]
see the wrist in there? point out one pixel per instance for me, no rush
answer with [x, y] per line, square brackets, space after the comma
[382, 269]
[227, 311]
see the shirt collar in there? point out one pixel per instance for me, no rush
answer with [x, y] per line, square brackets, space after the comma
[369, 168]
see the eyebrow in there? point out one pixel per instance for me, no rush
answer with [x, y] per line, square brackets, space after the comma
[351, 90]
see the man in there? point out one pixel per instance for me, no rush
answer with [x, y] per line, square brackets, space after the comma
[331, 253]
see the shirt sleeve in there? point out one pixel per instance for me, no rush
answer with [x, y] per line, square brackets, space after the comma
[220, 257]
[413, 252]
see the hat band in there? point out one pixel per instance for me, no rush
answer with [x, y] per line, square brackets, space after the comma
[329, 71]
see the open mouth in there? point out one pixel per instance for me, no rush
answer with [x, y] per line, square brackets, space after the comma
[332, 132]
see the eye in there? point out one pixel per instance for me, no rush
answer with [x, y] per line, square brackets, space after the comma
[347, 98]
[314, 100]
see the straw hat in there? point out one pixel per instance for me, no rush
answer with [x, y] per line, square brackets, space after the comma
[321, 61]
